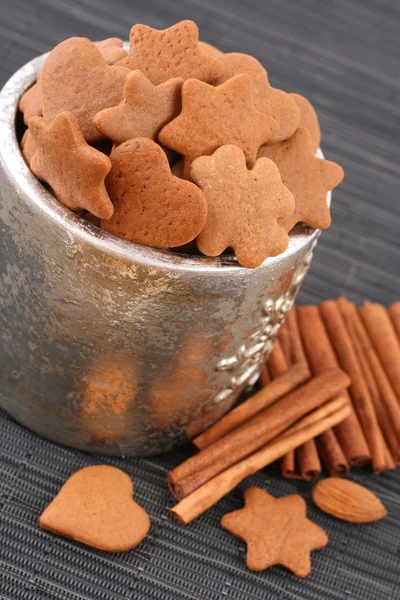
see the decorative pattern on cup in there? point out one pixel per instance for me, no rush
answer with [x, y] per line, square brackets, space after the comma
[246, 365]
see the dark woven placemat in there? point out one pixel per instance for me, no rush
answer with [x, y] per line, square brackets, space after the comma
[345, 57]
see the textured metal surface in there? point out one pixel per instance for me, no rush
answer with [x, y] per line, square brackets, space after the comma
[345, 57]
[116, 348]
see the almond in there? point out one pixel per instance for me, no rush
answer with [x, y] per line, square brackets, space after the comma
[347, 500]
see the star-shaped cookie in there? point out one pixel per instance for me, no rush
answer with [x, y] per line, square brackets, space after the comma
[74, 170]
[144, 109]
[308, 178]
[76, 78]
[276, 531]
[308, 119]
[172, 52]
[271, 101]
[214, 116]
[30, 103]
[112, 50]
[152, 206]
[243, 206]
[210, 49]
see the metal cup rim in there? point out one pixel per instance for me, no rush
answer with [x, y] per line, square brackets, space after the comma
[17, 170]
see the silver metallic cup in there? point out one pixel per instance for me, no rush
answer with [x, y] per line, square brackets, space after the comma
[111, 347]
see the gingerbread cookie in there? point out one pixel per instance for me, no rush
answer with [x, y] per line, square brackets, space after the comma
[111, 50]
[95, 507]
[28, 146]
[178, 167]
[276, 531]
[214, 116]
[76, 78]
[308, 119]
[172, 52]
[269, 100]
[243, 206]
[308, 178]
[143, 111]
[74, 170]
[210, 50]
[30, 103]
[152, 206]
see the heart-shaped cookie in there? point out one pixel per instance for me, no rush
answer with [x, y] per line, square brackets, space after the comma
[76, 78]
[152, 206]
[95, 507]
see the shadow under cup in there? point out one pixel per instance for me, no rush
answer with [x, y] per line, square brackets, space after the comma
[112, 347]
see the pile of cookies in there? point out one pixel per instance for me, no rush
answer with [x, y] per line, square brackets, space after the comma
[176, 141]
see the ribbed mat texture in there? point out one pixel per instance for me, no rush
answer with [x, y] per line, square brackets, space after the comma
[345, 57]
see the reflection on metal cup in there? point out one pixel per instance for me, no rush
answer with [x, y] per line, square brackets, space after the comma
[116, 348]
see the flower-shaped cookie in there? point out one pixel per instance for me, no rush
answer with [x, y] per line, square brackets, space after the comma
[152, 206]
[172, 52]
[308, 178]
[74, 170]
[144, 109]
[214, 116]
[276, 530]
[243, 206]
[76, 78]
[269, 100]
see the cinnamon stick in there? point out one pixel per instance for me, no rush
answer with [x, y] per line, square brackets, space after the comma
[289, 468]
[362, 400]
[296, 345]
[304, 463]
[256, 432]
[306, 455]
[287, 382]
[321, 356]
[265, 377]
[394, 312]
[381, 331]
[329, 449]
[277, 363]
[388, 421]
[207, 495]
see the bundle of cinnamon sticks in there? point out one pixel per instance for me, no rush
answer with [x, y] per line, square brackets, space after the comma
[329, 397]
[286, 413]
[365, 343]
